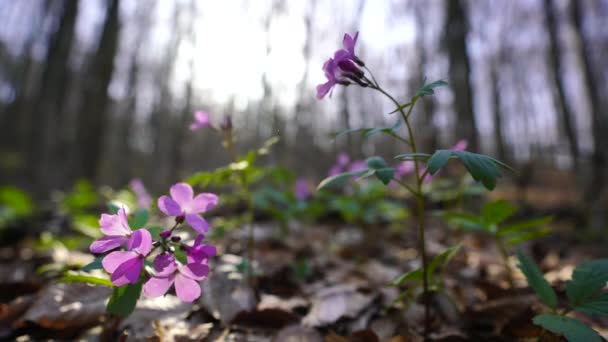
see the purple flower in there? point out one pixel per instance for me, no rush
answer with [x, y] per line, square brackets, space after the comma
[126, 266]
[357, 165]
[143, 198]
[302, 189]
[201, 120]
[168, 272]
[182, 204]
[117, 231]
[342, 68]
[199, 252]
[461, 145]
[404, 168]
[343, 159]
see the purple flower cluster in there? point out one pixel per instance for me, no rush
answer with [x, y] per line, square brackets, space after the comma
[343, 164]
[343, 68]
[125, 265]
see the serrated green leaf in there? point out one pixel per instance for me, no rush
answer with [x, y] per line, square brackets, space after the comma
[573, 329]
[588, 279]
[124, 299]
[438, 160]
[94, 265]
[73, 277]
[537, 281]
[381, 168]
[409, 276]
[412, 156]
[339, 179]
[496, 212]
[524, 225]
[481, 167]
[597, 305]
[139, 219]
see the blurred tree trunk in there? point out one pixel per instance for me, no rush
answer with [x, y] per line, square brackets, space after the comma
[455, 41]
[93, 116]
[50, 96]
[556, 66]
[498, 133]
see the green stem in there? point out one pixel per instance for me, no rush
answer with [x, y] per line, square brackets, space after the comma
[419, 202]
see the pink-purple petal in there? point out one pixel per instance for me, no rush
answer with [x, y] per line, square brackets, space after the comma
[113, 260]
[195, 271]
[198, 223]
[111, 225]
[182, 193]
[140, 242]
[107, 243]
[164, 265]
[127, 272]
[168, 206]
[158, 286]
[202, 203]
[200, 254]
[186, 289]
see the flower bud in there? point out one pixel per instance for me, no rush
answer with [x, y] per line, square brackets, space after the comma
[175, 239]
[165, 234]
[180, 219]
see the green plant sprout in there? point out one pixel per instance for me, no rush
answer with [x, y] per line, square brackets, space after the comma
[492, 222]
[585, 293]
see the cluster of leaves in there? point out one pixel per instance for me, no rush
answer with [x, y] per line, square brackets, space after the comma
[15, 204]
[585, 293]
[435, 274]
[492, 221]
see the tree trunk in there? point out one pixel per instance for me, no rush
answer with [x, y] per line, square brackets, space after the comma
[93, 116]
[455, 37]
[556, 67]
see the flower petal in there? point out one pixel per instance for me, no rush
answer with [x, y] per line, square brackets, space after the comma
[140, 242]
[199, 254]
[323, 89]
[164, 265]
[128, 272]
[202, 203]
[107, 243]
[195, 271]
[186, 289]
[198, 223]
[113, 260]
[158, 286]
[168, 206]
[182, 194]
[110, 225]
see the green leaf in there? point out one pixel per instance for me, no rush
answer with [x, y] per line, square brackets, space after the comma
[524, 225]
[438, 160]
[537, 281]
[529, 236]
[124, 299]
[181, 256]
[94, 265]
[17, 200]
[588, 279]
[154, 231]
[428, 89]
[481, 167]
[113, 208]
[139, 219]
[73, 277]
[383, 171]
[441, 260]
[464, 221]
[413, 156]
[369, 131]
[573, 329]
[339, 179]
[496, 212]
[409, 276]
[597, 305]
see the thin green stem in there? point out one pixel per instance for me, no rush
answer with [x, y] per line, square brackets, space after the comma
[419, 201]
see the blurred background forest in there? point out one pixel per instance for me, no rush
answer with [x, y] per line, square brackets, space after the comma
[105, 89]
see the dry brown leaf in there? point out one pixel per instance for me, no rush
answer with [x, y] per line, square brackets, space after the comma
[331, 304]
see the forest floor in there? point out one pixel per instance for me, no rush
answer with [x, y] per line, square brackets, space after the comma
[318, 283]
